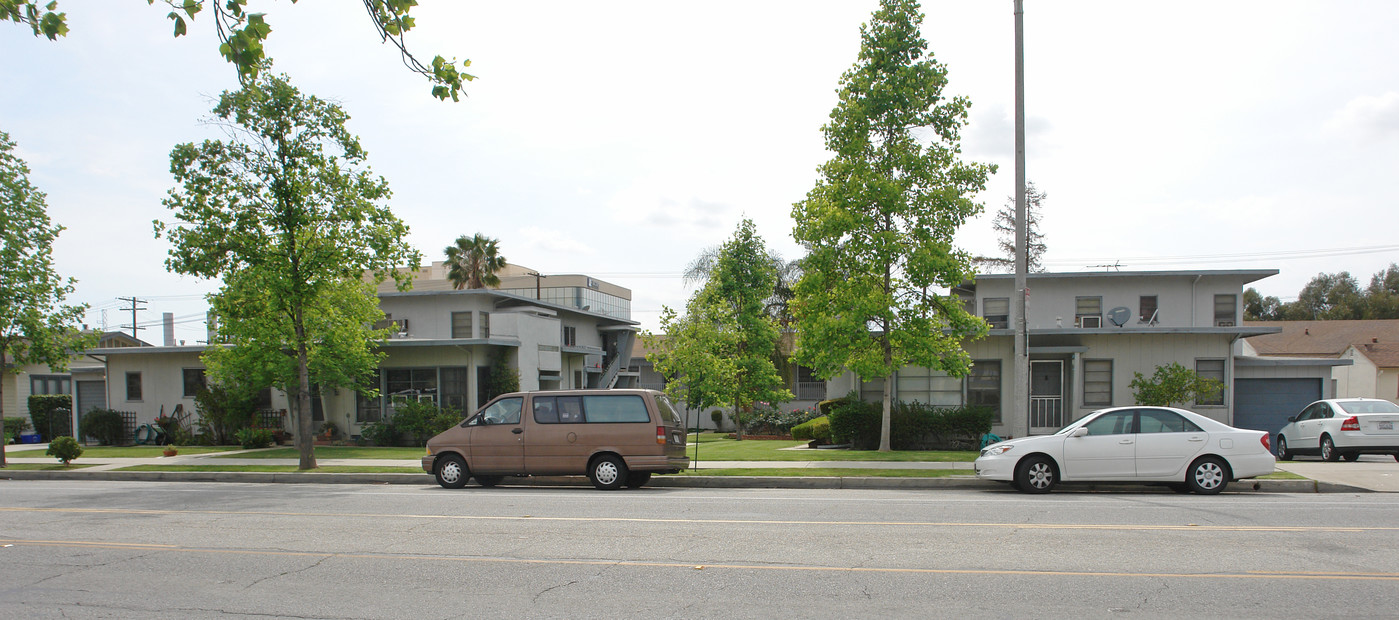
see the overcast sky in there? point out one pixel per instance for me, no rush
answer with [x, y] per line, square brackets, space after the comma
[618, 139]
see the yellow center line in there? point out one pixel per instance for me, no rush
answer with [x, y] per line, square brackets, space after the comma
[1024, 526]
[1251, 575]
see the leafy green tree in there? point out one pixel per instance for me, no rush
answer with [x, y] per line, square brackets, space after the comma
[1260, 308]
[36, 327]
[242, 34]
[1004, 224]
[721, 351]
[1382, 296]
[778, 305]
[473, 261]
[1173, 385]
[289, 216]
[1327, 297]
[881, 219]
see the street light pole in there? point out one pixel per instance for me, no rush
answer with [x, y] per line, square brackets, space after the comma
[1022, 294]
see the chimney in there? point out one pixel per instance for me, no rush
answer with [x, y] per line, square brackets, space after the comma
[168, 318]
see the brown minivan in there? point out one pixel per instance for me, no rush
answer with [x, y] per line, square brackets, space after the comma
[615, 437]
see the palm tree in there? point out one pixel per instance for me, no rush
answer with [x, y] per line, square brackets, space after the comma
[473, 261]
[788, 272]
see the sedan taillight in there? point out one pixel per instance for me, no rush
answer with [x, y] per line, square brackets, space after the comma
[1266, 445]
[1351, 424]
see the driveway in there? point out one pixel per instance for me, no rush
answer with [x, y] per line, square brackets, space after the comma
[1371, 472]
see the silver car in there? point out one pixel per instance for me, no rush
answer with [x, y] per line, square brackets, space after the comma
[1342, 428]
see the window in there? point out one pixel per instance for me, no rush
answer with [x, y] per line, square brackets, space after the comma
[1090, 308]
[570, 336]
[809, 385]
[1211, 369]
[996, 311]
[1097, 382]
[1115, 423]
[1225, 310]
[1147, 309]
[615, 409]
[503, 411]
[193, 379]
[133, 386]
[1162, 421]
[461, 324]
[984, 385]
[872, 390]
[930, 387]
[454, 388]
[485, 325]
[50, 384]
[402, 385]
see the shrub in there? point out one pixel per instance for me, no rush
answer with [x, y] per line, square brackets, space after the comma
[42, 410]
[818, 430]
[65, 449]
[854, 422]
[381, 433]
[14, 426]
[224, 411]
[912, 426]
[254, 438]
[718, 417]
[104, 425]
[767, 419]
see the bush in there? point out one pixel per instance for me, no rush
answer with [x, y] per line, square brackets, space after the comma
[853, 421]
[65, 449]
[104, 425]
[766, 419]
[42, 410]
[421, 420]
[381, 433]
[223, 412]
[912, 426]
[718, 417]
[818, 430]
[254, 438]
[14, 426]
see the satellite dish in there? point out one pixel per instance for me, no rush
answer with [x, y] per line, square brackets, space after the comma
[1119, 315]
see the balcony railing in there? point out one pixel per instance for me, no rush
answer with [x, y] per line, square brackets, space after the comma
[811, 390]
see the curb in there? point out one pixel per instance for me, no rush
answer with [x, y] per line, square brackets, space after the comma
[703, 482]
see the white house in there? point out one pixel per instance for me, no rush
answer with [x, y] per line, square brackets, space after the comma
[1366, 353]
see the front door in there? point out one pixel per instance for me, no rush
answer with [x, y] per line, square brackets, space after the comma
[496, 445]
[1046, 396]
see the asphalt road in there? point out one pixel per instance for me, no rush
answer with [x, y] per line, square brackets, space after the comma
[92, 549]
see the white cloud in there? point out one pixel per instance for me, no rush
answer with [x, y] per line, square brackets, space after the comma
[1367, 118]
[554, 241]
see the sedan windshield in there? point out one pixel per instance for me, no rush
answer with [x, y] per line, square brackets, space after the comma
[1368, 406]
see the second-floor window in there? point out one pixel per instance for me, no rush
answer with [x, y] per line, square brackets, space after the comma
[1147, 308]
[570, 336]
[1088, 311]
[996, 311]
[461, 324]
[1225, 310]
[485, 325]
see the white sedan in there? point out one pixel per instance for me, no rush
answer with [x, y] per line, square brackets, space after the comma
[1342, 428]
[1185, 450]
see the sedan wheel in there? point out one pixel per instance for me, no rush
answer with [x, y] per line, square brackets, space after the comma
[1035, 475]
[1283, 454]
[451, 472]
[1208, 476]
[1350, 457]
[1328, 449]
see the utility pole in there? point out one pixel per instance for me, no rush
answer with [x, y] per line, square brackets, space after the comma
[1022, 303]
[134, 308]
[537, 276]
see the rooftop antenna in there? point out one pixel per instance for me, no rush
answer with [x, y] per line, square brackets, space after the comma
[1117, 266]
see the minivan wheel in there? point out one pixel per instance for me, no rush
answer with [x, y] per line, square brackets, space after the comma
[1328, 449]
[489, 481]
[608, 473]
[1208, 476]
[636, 479]
[451, 471]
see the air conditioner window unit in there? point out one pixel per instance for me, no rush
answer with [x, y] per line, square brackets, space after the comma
[1224, 324]
[1090, 322]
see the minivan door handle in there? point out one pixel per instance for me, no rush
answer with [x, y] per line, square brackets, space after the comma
[517, 430]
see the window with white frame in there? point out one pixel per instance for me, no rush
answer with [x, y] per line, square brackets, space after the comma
[996, 311]
[133, 386]
[1097, 382]
[570, 336]
[485, 325]
[1147, 308]
[1211, 369]
[1090, 308]
[1226, 310]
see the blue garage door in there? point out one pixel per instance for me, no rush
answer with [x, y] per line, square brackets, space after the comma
[1265, 404]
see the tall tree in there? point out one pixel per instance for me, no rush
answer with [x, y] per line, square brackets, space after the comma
[1260, 308]
[721, 351]
[288, 214]
[1004, 225]
[1382, 296]
[880, 220]
[1327, 297]
[36, 327]
[777, 305]
[242, 34]
[473, 261]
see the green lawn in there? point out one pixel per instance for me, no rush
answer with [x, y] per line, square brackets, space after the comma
[334, 452]
[44, 466]
[718, 447]
[142, 452]
[1283, 475]
[277, 469]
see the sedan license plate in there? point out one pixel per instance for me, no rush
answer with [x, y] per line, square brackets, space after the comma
[1384, 426]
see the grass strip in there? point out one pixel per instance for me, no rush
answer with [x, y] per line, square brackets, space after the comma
[44, 466]
[1283, 475]
[148, 452]
[333, 452]
[290, 469]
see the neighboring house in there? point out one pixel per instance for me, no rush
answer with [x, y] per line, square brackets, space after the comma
[1371, 348]
[84, 379]
[445, 342]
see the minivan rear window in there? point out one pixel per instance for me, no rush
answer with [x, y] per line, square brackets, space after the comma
[591, 409]
[668, 414]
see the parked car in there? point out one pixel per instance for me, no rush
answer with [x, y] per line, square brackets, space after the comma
[615, 437]
[1179, 448]
[1342, 428]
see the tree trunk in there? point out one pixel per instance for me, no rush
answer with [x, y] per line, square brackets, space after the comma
[305, 438]
[2, 409]
[884, 421]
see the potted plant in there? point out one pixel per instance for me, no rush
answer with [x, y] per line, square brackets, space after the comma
[329, 430]
[170, 450]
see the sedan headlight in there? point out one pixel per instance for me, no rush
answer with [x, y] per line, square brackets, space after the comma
[996, 450]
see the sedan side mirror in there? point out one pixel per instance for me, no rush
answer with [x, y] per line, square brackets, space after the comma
[1081, 431]
[1292, 418]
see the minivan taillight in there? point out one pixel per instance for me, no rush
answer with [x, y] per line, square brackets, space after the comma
[1266, 445]
[660, 435]
[1351, 424]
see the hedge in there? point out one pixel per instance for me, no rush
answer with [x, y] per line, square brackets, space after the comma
[818, 430]
[41, 412]
[106, 426]
[912, 426]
